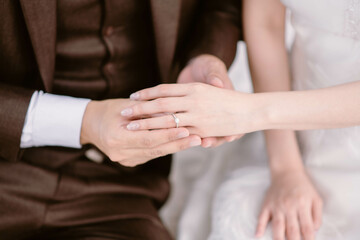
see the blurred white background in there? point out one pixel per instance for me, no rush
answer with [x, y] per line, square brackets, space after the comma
[197, 173]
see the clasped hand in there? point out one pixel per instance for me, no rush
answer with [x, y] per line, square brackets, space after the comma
[104, 127]
[106, 124]
[204, 110]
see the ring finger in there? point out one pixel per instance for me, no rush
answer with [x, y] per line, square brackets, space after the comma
[278, 226]
[306, 223]
[292, 226]
[160, 105]
[166, 121]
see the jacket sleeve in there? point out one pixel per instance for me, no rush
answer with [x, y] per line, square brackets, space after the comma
[216, 32]
[14, 102]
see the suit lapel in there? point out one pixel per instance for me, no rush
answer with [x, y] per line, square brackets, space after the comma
[40, 18]
[166, 15]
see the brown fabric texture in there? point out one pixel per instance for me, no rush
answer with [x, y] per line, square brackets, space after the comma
[83, 200]
[28, 36]
[53, 190]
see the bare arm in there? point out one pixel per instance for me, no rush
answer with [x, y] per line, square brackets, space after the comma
[264, 24]
[264, 32]
[333, 107]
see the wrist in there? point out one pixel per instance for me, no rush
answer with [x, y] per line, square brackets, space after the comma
[252, 111]
[279, 110]
[285, 165]
[87, 127]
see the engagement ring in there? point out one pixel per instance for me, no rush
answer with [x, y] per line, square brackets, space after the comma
[176, 119]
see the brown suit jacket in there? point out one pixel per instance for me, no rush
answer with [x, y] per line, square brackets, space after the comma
[183, 29]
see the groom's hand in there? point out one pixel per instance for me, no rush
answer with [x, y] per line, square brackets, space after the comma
[210, 70]
[105, 127]
[206, 69]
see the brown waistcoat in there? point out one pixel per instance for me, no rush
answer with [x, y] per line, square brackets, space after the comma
[34, 56]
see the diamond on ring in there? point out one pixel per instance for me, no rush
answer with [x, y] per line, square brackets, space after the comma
[176, 119]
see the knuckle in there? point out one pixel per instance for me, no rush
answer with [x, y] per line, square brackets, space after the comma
[161, 103]
[288, 203]
[146, 142]
[172, 136]
[162, 89]
[183, 147]
[277, 223]
[307, 230]
[153, 153]
[292, 231]
[110, 142]
[198, 86]
[302, 201]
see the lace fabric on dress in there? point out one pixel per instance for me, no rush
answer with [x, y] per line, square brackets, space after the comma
[352, 19]
[325, 53]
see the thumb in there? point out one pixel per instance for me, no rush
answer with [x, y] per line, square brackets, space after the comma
[216, 82]
[217, 76]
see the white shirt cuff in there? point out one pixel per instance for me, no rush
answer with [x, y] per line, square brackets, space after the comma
[53, 120]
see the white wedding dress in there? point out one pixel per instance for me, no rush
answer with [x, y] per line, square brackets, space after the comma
[326, 52]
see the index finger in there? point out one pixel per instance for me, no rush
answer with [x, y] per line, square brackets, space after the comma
[150, 139]
[263, 221]
[160, 91]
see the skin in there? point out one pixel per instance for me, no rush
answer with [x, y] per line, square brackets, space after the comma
[296, 110]
[210, 70]
[105, 127]
[292, 202]
[192, 104]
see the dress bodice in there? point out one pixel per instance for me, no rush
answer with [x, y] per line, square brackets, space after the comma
[326, 52]
[339, 17]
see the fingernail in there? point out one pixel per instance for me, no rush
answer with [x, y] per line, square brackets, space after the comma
[126, 112]
[195, 143]
[183, 134]
[217, 82]
[133, 126]
[135, 96]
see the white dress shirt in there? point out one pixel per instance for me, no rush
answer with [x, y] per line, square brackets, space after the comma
[53, 120]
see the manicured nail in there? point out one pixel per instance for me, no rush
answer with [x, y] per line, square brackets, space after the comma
[183, 134]
[133, 126]
[195, 143]
[135, 96]
[126, 112]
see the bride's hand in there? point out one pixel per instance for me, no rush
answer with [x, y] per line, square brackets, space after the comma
[211, 70]
[293, 206]
[205, 110]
